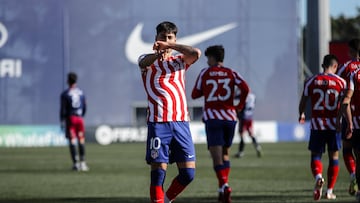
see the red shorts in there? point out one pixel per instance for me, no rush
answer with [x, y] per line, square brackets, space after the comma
[75, 127]
[246, 125]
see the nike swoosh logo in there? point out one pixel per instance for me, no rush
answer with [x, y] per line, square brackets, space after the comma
[135, 46]
[191, 156]
[3, 35]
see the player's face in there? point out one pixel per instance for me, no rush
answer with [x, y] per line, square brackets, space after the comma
[166, 37]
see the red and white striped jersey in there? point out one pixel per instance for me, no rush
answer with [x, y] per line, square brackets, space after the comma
[325, 91]
[164, 83]
[350, 66]
[354, 84]
[217, 85]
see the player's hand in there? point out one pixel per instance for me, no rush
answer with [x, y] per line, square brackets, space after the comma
[302, 118]
[349, 131]
[160, 46]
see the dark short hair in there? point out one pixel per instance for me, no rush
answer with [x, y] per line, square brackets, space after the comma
[216, 51]
[167, 27]
[72, 78]
[329, 60]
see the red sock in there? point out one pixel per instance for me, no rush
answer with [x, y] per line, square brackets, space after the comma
[156, 194]
[223, 175]
[227, 172]
[174, 190]
[316, 167]
[332, 174]
[349, 161]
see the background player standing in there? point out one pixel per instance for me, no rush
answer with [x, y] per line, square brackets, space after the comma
[345, 71]
[169, 139]
[217, 84]
[245, 117]
[72, 110]
[324, 90]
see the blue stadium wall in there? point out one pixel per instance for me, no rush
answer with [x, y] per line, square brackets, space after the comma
[42, 40]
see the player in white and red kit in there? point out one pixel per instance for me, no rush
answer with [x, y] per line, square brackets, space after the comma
[351, 110]
[169, 139]
[72, 111]
[325, 91]
[217, 84]
[245, 118]
[345, 71]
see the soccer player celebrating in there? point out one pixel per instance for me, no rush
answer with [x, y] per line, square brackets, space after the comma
[72, 110]
[217, 84]
[325, 91]
[169, 139]
[245, 118]
[345, 72]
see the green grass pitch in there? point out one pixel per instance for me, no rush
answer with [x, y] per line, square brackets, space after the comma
[118, 173]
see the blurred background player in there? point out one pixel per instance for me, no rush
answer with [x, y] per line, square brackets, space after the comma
[72, 110]
[169, 139]
[325, 91]
[345, 71]
[217, 84]
[245, 117]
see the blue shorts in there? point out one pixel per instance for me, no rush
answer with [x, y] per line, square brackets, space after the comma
[320, 138]
[220, 132]
[169, 142]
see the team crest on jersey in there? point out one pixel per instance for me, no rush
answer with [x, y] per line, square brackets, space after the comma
[154, 153]
[176, 65]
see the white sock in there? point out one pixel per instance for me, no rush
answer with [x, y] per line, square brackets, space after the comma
[318, 176]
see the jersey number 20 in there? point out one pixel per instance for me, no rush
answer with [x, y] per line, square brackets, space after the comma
[324, 97]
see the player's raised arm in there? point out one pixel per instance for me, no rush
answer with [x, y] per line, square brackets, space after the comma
[191, 54]
[147, 59]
